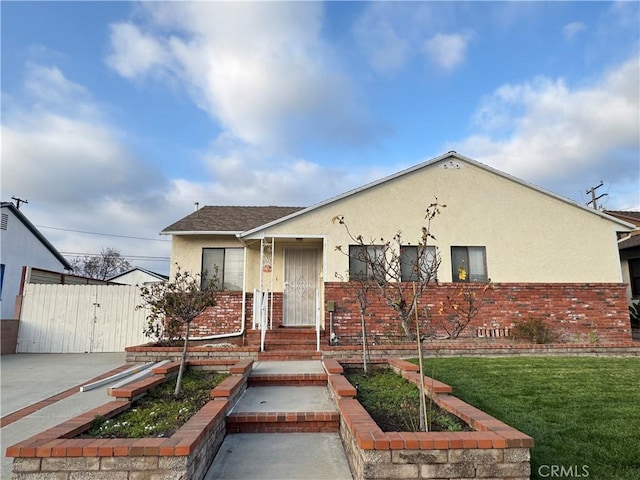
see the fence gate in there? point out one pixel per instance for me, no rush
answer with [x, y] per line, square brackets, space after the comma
[80, 318]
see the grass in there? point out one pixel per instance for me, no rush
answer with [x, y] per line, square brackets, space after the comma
[394, 403]
[583, 413]
[159, 413]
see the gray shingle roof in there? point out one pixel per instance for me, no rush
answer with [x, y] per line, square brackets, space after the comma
[626, 215]
[229, 219]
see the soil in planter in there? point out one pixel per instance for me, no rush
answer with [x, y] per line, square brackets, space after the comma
[159, 413]
[394, 403]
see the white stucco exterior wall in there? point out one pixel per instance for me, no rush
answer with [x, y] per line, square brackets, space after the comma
[529, 236]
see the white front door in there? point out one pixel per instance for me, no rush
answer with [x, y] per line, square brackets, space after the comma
[300, 286]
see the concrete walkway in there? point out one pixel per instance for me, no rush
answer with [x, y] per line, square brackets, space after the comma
[286, 456]
[29, 379]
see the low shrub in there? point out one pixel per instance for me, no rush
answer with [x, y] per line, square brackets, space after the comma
[535, 330]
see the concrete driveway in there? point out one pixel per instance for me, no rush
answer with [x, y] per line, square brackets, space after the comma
[27, 379]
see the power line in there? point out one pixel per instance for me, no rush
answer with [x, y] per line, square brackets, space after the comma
[105, 234]
[128, 257]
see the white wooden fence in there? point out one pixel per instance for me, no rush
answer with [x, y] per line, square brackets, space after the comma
[80, 318]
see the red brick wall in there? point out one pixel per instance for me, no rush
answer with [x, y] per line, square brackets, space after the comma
[226, 316]
[9, 336]
[579, 313]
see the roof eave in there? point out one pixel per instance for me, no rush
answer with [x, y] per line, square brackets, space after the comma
[201, 232]
[30, 226]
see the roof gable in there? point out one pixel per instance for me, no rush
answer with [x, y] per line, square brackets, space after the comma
[452, 157]
[227, 219]
[36, 233]
[159, 276]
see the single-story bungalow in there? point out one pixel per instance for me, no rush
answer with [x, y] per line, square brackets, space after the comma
[546, 256]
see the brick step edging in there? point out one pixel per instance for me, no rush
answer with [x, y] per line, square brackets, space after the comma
[283, 422]
[288, 379]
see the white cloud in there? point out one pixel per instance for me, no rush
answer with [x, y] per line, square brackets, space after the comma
[143, 51]
[77, 171]
[571, 30]
[376, 31]
[447, 51]
[261, 69]
[50, 86]
[56, 143]
[551, 134]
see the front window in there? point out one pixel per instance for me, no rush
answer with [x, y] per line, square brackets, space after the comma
[469, 264]
[365, 261]
[417, 263]
[223, 266]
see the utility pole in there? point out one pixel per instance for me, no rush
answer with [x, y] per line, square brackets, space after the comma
[595, 199]
[19, 201]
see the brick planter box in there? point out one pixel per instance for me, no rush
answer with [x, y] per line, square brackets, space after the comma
[187, 454]
[494, 450]
[462, 347]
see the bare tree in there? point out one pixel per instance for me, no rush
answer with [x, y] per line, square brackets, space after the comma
[182, 299]
[108, 263]
[399, 273]
[363, 286]
[462, 306]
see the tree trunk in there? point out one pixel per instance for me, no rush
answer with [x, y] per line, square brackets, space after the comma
[183, 363]
[364, 344]
[406, 326]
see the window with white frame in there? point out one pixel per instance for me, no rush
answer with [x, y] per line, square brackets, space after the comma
[417, 263]
[223, 265]
[469, 264]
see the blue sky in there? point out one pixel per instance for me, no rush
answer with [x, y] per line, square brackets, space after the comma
[118, 116]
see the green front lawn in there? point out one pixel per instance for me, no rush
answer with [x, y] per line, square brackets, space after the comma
[584, 413]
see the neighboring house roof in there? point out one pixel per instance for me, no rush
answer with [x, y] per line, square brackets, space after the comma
[227, 219]
[627, 216]
[633, 239]
[159, 276]
[451, 156]
[36, 233]
[630, 242]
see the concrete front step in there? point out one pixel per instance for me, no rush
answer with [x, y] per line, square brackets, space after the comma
[285, 355]
[285, 403]
[291, 400]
